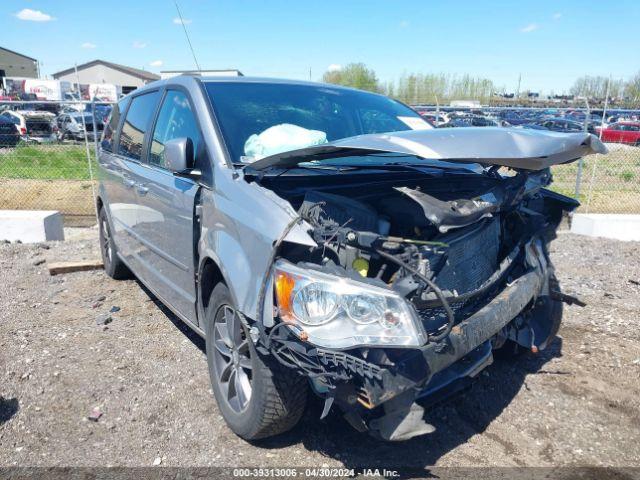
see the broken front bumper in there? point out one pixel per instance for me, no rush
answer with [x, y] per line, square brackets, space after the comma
[361, 387]
[418, 369]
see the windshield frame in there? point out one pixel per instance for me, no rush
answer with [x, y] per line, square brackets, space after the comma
[218, 122]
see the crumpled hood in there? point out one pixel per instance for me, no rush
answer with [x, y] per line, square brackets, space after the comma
[509, 147]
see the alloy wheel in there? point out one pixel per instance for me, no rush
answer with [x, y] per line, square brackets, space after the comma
[106, 241]
[232, 359]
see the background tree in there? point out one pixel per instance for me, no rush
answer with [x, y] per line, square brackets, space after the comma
[355, 75]
[596, 87]
[632, 90]
[416, 88]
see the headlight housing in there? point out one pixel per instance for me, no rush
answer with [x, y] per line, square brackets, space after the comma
[338, 312]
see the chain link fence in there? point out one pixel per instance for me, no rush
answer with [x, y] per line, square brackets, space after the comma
[48, 157]
[608, 183]
[48, 162]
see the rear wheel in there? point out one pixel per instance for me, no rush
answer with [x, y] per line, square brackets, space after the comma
[113, 265]
[257, 398]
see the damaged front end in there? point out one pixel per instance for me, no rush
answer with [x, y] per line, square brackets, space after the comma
[417, 276]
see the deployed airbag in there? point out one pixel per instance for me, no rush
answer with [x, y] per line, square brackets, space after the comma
[281, 138]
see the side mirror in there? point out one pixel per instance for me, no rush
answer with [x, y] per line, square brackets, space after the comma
[179, 157]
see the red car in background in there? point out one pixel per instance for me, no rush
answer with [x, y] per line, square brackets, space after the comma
[622, 132]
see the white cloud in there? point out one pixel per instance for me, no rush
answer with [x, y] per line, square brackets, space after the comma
[177, 21]
[530, 28]
[34, 15]
[404, 23]
[334, 67]
[88, 45]
[557, 16]
[138, 44]
[156, 63]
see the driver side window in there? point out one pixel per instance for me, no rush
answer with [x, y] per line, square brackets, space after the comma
[175, 120]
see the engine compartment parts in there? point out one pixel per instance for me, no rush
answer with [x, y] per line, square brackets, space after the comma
[405, 281]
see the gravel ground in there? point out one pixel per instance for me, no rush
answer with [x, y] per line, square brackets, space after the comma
[577, 403]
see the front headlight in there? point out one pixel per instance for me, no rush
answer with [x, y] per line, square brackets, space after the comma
[338, 312]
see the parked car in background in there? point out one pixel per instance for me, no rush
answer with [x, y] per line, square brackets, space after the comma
[321, 239]
[559, 125]
[101, 111]
[470, 121]
[76, 125]
[434, 118]
[70, 109]
[33, 125]
[518, 117]
[9, 134]
[621, 132]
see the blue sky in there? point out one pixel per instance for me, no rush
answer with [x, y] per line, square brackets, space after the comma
[549, 42]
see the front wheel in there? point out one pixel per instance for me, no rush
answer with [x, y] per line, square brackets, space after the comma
[257, 398]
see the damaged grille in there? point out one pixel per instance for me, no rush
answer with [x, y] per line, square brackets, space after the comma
[472, 258]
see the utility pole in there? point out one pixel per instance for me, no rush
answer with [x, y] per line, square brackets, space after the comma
[519, 82]
[604, 110]
[86, 143]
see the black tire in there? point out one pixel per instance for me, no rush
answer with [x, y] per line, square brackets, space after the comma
[113, 265]
[277, 396]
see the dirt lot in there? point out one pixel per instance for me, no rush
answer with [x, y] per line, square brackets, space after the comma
[577, 403]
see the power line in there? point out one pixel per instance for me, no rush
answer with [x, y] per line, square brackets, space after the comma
[187, 35]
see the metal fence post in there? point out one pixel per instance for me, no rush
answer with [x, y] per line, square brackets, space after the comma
[88, 150]
[576, 194]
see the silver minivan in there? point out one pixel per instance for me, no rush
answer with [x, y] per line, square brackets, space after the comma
[328, 240]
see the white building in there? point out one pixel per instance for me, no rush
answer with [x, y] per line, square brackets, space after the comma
[100, 71]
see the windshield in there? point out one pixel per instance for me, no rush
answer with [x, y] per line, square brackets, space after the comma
[299, 116]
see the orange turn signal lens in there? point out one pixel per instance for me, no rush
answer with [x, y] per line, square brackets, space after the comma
[284, 293]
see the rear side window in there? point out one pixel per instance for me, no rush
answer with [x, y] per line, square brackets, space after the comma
[175, 120]
[112, 126]
[136, 124]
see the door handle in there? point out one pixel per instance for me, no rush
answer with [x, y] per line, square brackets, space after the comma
[142, 190]
[128, 182]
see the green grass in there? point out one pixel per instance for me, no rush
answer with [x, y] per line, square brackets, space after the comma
[627, 176]
[609, 182]
[43, 162]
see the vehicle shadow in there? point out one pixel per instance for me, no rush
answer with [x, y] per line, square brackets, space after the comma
[8, 408]
[196, 339]
[456, 420]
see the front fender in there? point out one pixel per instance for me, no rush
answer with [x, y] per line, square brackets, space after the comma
[241, 221]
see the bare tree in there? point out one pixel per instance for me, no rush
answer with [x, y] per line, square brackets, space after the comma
[355, 75]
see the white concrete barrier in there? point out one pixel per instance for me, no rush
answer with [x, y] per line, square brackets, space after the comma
[31, 226]
[616, 226]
